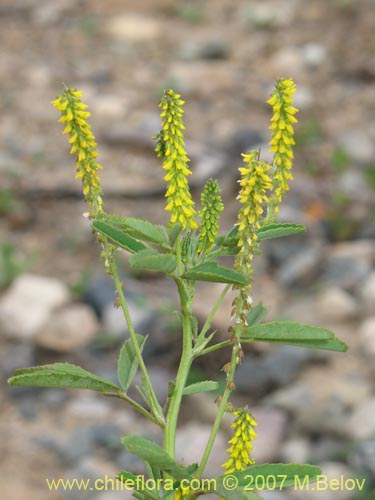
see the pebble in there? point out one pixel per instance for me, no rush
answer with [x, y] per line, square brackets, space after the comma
[295, 450]
[287, 60]
[291, 398]
[89, 408]
[205, 50]
[190, 444]
[367, 337]
[345, 272]
[270, 431]
[243, 139]
[362, 457]
[17, 356]
[367, 294]
[361, 424]
[28, 304]
[134, 28]
[114, 322]
[336, 304]
[303, 98]
[71, 328]
[358, 145]
[313, 54]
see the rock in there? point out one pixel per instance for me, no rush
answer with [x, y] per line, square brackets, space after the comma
[160, 378]
[345, 272]
[114, 322]
[280, 367]
[287, 60]
[133, 28]
[28, 304]
[47, 13]
[17, 356]
[313, 54]
[71, 328]
[302, 267]
[242, 140]
[353, 184]
[361, 423]
[270, 433]
[89, 407]
[367, 294]
[109, 106]
[265, 15]
[367, 337]
[362, 457]
[139, 135]
[205, 50]
[327, 448]
[358, 145]
[295, 450]
[291, 398]
[190, 444]
[336, 304]
[332, 471]
[273, 495]
[303, 98]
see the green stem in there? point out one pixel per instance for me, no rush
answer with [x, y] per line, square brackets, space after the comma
[220, 413]
[216, 347]
[154, 404]
[134, 404]
[211, 316]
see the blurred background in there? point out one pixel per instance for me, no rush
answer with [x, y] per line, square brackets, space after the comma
[56, 304]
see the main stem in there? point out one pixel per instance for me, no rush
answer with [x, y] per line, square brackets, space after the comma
[183, 369]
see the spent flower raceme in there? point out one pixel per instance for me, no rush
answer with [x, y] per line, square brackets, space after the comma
[171, 149]
[74, 116]
[241, 442]
[282, 140]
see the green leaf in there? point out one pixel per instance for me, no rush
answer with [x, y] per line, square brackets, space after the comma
[63, 375]
[174, 231]
[141, 229]
[204, 386]
[131, 481]
[210, 271]
[286, 330]
[151, 452]
[237, 494]
[118, 237]
[128, 363]
[256, 314]
[295, 334]
[270, 476]
[154, 261]
[278, 230]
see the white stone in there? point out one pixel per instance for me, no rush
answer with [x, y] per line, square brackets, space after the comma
[28, 304]
[296, 451]
[336, 304]
[367, 294]
[270, 433]
[134, 28]
[367, 336]
[70, 328]
[361, 425]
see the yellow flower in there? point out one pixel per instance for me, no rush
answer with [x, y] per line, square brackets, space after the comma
[74, 116]
[241, 442]
[282, 141]
[171, 148]
[254, 183]
[182, 493]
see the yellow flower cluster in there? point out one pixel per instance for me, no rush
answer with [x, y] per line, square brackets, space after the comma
[241, 442]
[282, 141]
[254, 183]
[182, 493]
[171, 148]
[83, 144]
[212, 205]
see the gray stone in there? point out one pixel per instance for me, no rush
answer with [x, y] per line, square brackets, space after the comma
[291, 398]
[302, 267]
[270, 431]
[190, 444]
[361, 424]
[303, 98]
[313, 54]
[160, 378]
[114, 322]
[328, 448]
[17, 356]
[71, 328]
[206, 50]
[325, 416]
[280, 367]
[89, 408]
[242, 140]
[362, 457]
[358, 145]
[345, 272]
[336, 304]
[28, 304]
[367, 294]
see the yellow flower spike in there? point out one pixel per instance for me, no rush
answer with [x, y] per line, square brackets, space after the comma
[282, 140]
[171, 149]
[254, 184]
[241, 442]
[83, 145]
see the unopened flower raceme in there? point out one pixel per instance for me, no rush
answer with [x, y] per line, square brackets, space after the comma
[254, 185]
[282, 141]
[241, 442]
[212, 205]
[74, 116]
[171, 148]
